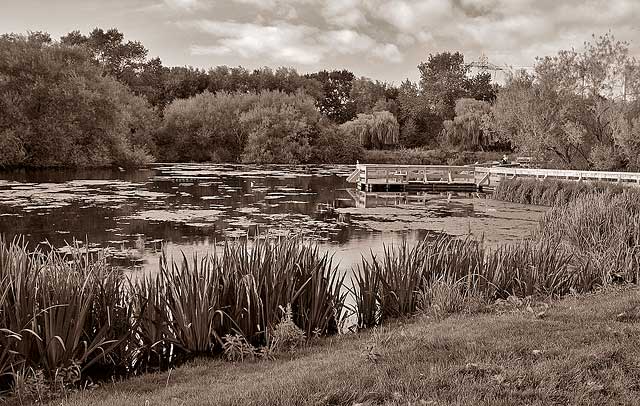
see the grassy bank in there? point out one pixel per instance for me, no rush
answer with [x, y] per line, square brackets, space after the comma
[419, 156]
[259, 301]
[582, 350]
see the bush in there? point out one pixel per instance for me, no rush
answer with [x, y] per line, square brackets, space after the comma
[419, 156]
[58, 109]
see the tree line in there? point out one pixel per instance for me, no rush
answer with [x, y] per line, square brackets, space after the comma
[98, 100]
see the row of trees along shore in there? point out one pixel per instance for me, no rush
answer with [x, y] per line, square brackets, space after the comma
[99, 100]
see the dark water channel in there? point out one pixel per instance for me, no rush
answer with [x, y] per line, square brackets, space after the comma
[190, 207]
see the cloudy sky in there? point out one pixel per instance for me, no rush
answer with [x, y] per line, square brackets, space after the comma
[382, 39]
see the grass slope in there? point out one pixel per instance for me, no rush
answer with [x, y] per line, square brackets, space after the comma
[584, 350]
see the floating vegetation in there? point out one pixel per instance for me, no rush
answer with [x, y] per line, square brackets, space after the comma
[177, 216]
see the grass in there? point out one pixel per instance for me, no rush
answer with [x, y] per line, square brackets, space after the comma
[582, 351]
[249, 299]
[602, 232]
[449, 272]
[551, 192]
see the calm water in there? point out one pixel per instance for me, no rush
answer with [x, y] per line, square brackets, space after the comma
[190, 207]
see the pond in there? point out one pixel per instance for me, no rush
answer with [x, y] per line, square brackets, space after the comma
[133, 214]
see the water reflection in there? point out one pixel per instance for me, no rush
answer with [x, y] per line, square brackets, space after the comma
[190, 207]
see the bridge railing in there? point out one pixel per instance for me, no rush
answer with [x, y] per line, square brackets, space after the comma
[390, 173]
[628, 177]
[402, 174]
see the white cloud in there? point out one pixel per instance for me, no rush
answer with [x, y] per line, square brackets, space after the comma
[412, 16]
[388, 52]
[286, 9]
[344, 13]
[354, 32]
[285, 42]
[183, 4]
[279, 41]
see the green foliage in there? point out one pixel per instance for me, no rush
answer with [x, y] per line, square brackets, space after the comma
[602, 229]
[369, 96]
[417, 156]
[205, 127]
[453, 274]
[280, 128]
[550, 192]
[286, 335]
[334, 146]
[579, 109]
[237, 349]
[334, 100]
[377, 130]
[74, 318]
[269, 127]
[470, 128]
[57, 109]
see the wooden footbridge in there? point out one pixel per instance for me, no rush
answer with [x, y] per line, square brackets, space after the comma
[417, 179]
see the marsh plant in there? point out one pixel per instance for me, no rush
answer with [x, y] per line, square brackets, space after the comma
[76, 318]
[552, 192]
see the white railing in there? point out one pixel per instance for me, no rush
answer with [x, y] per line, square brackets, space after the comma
[633, 177]
[398, 174]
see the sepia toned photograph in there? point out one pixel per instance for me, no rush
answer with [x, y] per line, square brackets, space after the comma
[319, 202]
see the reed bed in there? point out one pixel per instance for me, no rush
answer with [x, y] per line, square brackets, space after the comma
[77, 319]
[449, 272]
[550, 192]
[73, 320]
[602, 230]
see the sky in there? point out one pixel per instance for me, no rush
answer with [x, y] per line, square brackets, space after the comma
[379, 39]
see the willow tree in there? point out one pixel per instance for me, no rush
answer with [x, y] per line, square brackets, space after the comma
[469, 128]
[377, 130]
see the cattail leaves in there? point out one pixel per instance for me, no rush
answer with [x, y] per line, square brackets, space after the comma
[60, 312]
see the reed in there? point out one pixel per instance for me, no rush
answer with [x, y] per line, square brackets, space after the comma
[602, 230]
[406, 279]
[77, 318]
[61, 314]
[550, 192]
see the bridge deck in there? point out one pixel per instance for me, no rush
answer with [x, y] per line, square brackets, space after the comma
[415, 178]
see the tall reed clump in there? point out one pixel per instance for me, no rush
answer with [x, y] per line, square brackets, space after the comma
[71, 319]
[56, 314]
[602, 232]
[450, 273]
[549, 192]
[191, 305]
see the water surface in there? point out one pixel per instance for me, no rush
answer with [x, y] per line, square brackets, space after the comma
[191, 207]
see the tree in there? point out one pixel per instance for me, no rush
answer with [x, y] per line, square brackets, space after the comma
[571, 109]
[335, 99]
[368, 96]
[120, 59]
[377, 130]
[205, 127]
[58, 109]
[538, 121]
[417, 119]
[470, 127]
[443, 80]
